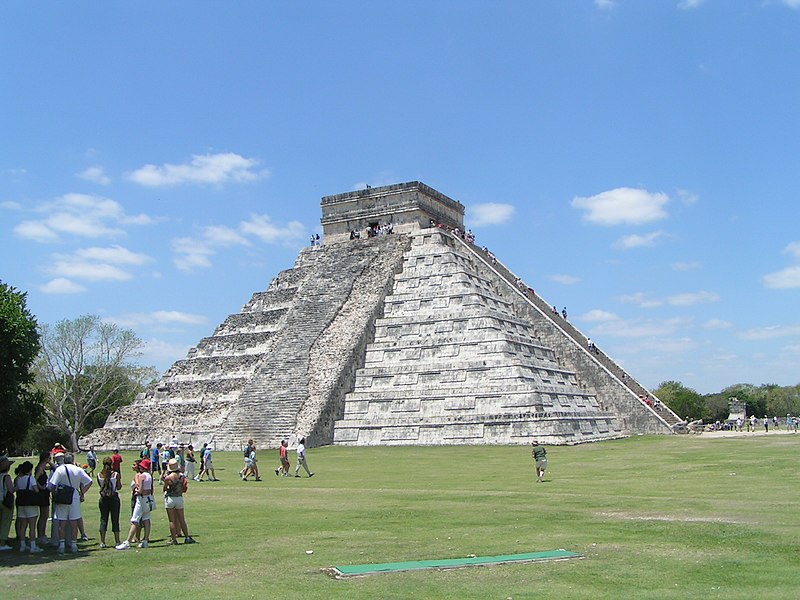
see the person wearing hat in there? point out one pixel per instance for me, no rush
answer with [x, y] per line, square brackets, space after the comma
[140, 519]
[6, 512]
[175, 485]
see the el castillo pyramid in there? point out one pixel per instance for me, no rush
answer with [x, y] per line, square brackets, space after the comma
[414, 336]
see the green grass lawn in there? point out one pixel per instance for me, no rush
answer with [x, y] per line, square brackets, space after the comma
[654, 517]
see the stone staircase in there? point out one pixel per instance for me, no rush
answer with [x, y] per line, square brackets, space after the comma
[595, 354]
[452, 362]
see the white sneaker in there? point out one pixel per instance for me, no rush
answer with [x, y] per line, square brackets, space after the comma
[5, 547]
[36, 549]
[60, 549]
[123, 546]
[73, 549]
[143, 544]
[23, 547]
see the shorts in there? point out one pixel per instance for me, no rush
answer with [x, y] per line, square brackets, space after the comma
[209, 465]
[141, 510]
[541, 464]
[173, 501]
[68, 512]
[27, 512]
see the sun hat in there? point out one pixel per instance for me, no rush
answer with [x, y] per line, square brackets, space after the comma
[173, 465]
[145, 464]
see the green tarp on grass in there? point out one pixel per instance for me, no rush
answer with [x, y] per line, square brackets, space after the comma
[452, 563]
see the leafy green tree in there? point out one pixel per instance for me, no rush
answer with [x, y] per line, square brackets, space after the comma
[20, 406]
[85, 370]
[717, 407]
[684, 402]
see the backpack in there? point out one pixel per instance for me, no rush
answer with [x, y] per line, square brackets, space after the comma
[247, 451]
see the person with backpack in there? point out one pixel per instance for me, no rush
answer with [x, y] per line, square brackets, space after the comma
[69, 484]
[110, 483]
[27, 492]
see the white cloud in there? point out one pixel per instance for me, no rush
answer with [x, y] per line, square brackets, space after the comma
[789, 277]
[490, 213]
[61, 285]
[202, 169]
[692, 298]
[599, 316]
[220, 235]
[639, 241]
[717, 324]
[792, 3]
[95, 175]
[605, 4]
[637, 328]
[784, 279]
[35, 231]
[191, 254]
[623, 206]
[70, 266]
[262, 227]
[793, 247]
[196, 252]
[565, 279]
[113, 254]
[642, 299]
[771, 332]
[159, 317]
[686, 266]
[79, 215]
[689, 4]
[687, 197]
[10, 205]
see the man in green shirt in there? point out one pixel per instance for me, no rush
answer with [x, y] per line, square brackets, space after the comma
[539, 454]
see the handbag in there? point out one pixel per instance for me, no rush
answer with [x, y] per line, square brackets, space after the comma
[27, 497]
[63, 493]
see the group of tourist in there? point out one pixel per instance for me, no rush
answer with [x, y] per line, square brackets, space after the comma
[56, 487]
[285, 465]
[752, 424]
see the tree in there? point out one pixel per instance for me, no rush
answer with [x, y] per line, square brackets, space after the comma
[85, 370]
[684, 402]
[20, 405]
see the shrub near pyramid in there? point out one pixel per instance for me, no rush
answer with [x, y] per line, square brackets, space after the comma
[409, 336]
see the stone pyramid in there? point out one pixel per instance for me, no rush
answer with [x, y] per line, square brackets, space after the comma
[413, 336]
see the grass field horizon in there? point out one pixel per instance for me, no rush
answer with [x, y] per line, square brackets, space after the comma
[653, 517]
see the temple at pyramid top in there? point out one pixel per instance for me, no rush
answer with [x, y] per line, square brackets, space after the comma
[405, 206]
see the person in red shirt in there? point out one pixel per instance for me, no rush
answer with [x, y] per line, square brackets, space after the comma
[116, 460]
[284, 456]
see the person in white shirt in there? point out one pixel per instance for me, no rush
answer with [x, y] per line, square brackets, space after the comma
[75, 477]
[145, 502]
[301, 459]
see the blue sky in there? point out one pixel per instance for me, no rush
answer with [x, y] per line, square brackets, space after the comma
[633, 161]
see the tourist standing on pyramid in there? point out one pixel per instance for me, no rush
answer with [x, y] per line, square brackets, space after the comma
[301, 459]
[539, 454]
